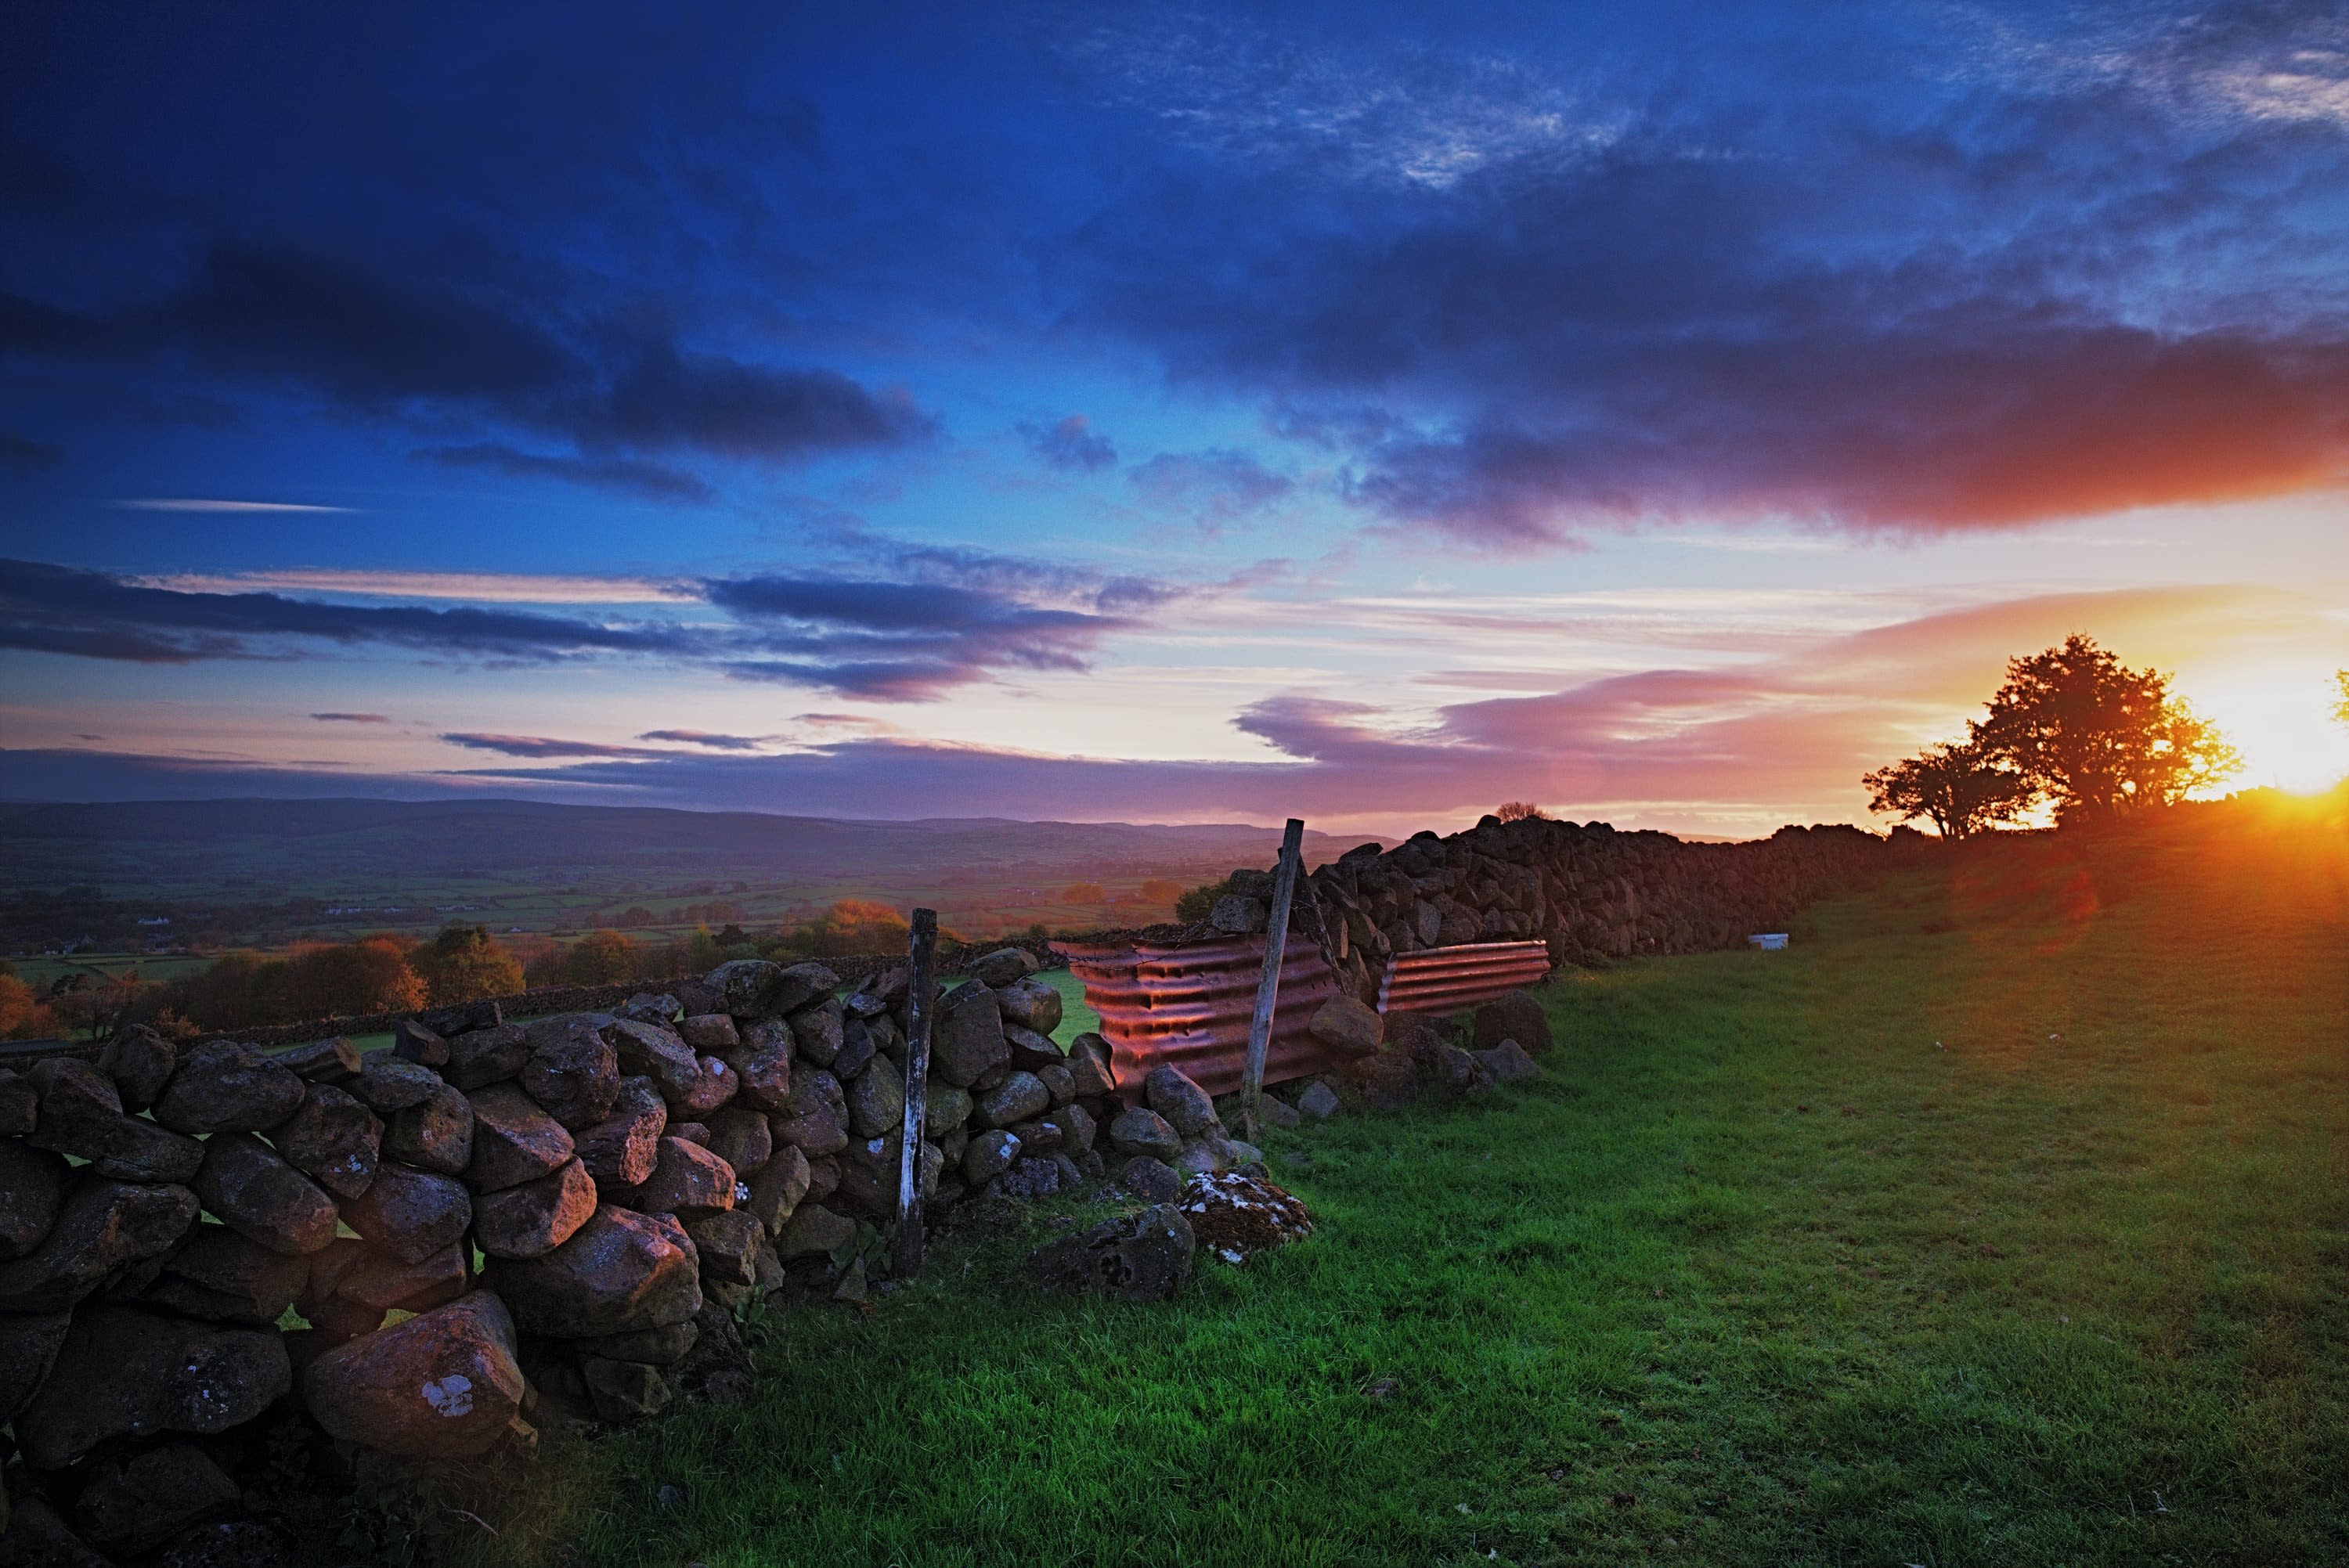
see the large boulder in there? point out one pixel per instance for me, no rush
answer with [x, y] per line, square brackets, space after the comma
[28, 1348]
[1236, 915]
[332, 1140]
[1088, 1064]
[655, 1052]
[515, 1139]
[1139, 1131]
[1173, 1095]
[1516, 1016]
[968, 1042]
[387, 1083]
[1145, 1256]
[814, 1119]
[1349, 1027]
[856, 1048]
[619, 1272]
[1015, 1100]
[1004, 966]
[256, 1192]
[1506, 1062]
[1388, 1079]
[572, 1071]
[762, 1061]
[125, 1372]
[81, 1116]
[988, 1155]
[102, 1227]
[620, 1149]
[710, 1033]
[223, 1275]
[716, 1087]
[483, 1057]
[1029, 1002]
[437, 1135]
[444, 1383]
[749, 988]
[877, 1101]
[776, 1188]
[32, 1184]
[819, 1032]
[410, 1214]
[140, 1063]
[727, 1246]
[686, 1180]
[133, 1502]
[1235, 1216]
[1031, 1052]
[535, 1217]
[224, 1086]
[743, 1138]
[358, 1273]
[813, 1229]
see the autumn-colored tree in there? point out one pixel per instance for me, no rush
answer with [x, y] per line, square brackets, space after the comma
[465, 963]
[1085, 893]
[97, 1010]
[1161, 889]
[2097, 738]
[1962, 789]
[349, 979]
[600, 958]
[22, 1015]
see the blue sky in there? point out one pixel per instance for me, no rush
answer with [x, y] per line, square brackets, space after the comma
[1372, 413]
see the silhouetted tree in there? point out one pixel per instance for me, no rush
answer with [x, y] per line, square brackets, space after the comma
[465, 963]
[1518, 811]
[2098, 739]
[1962, 789]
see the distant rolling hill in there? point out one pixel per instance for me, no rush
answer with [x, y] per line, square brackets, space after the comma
[194, 843]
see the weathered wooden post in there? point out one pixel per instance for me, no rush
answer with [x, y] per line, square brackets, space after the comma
[1267, 986]
[905, 1254]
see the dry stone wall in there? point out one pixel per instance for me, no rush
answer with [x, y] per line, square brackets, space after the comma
[492, 1222]
[1592, 893]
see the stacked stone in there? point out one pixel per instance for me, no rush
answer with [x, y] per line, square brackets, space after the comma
[1588, 890]
[1012, 1113]
[1175, 1132]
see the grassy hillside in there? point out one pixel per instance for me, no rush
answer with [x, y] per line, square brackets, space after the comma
[2000, 1220]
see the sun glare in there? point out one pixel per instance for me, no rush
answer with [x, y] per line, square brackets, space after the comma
[2281, 719]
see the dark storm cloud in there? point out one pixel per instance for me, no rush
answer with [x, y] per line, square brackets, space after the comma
[950, 618]
[1073, 444]
[373, 343]
[66, 610]
[629, 475]
[24, 452]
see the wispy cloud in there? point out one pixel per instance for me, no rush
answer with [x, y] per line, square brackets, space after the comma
[192, 503]
[709, 738]
[545, 746]
[470, 587]
[1071, 445]
[351, 718]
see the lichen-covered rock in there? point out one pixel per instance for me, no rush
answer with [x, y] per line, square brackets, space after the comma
[125, 1372]
[877, 1101]
[1139, 1131]
[1460, 1072]
[1236, 915]
[444, 1383]
[102, 1227]
[462, 1018]
[856, 1049]
[1319, 1101]
[620, 1273]
[436, 1135]
[411, 1041]
[332, 1140]
[1235, 1216]
[515, 1139]
[140, 1062]
[535, 1217]
[1506, 1062]
[132, 1502]
[1031, 1052]
[81, 1116]
[819, 1031]
[1153, 1180]
[654, 1052]
[572, 1071]
[988, 1155]
[359, 1272]
[749, 988]
[1077, 1127]
[625, 1390]
[1388, 1078]
[1136, 1257]
[410, 1214]
[776, 1188]
[815, 1118]
[1088, 1063]
[968, 1041]
[387, 1083]
[741, 1137]
[483, 1057]
[1516, 1016]
[1017, 1097]
[1030, 1004]
[333, 1060]
[256, 1192]
[620, 1149]
[223, 1275]
[1185, 1105]
[32, 1184]
[1004, 966]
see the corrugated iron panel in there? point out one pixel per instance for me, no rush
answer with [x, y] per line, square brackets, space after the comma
[1440, 980]
[1190, 1006]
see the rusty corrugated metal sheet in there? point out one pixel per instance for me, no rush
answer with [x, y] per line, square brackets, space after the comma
[1189, 1007]
[1440, 980]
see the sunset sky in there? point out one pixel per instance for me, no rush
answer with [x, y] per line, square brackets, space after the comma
[1369, 413]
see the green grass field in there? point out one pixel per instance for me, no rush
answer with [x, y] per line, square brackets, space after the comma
[2000, 1220]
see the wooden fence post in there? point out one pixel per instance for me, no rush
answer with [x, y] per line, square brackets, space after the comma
[905, 1254]
[1268, 987]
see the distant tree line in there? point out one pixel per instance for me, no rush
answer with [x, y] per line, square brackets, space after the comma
[2072, 728]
